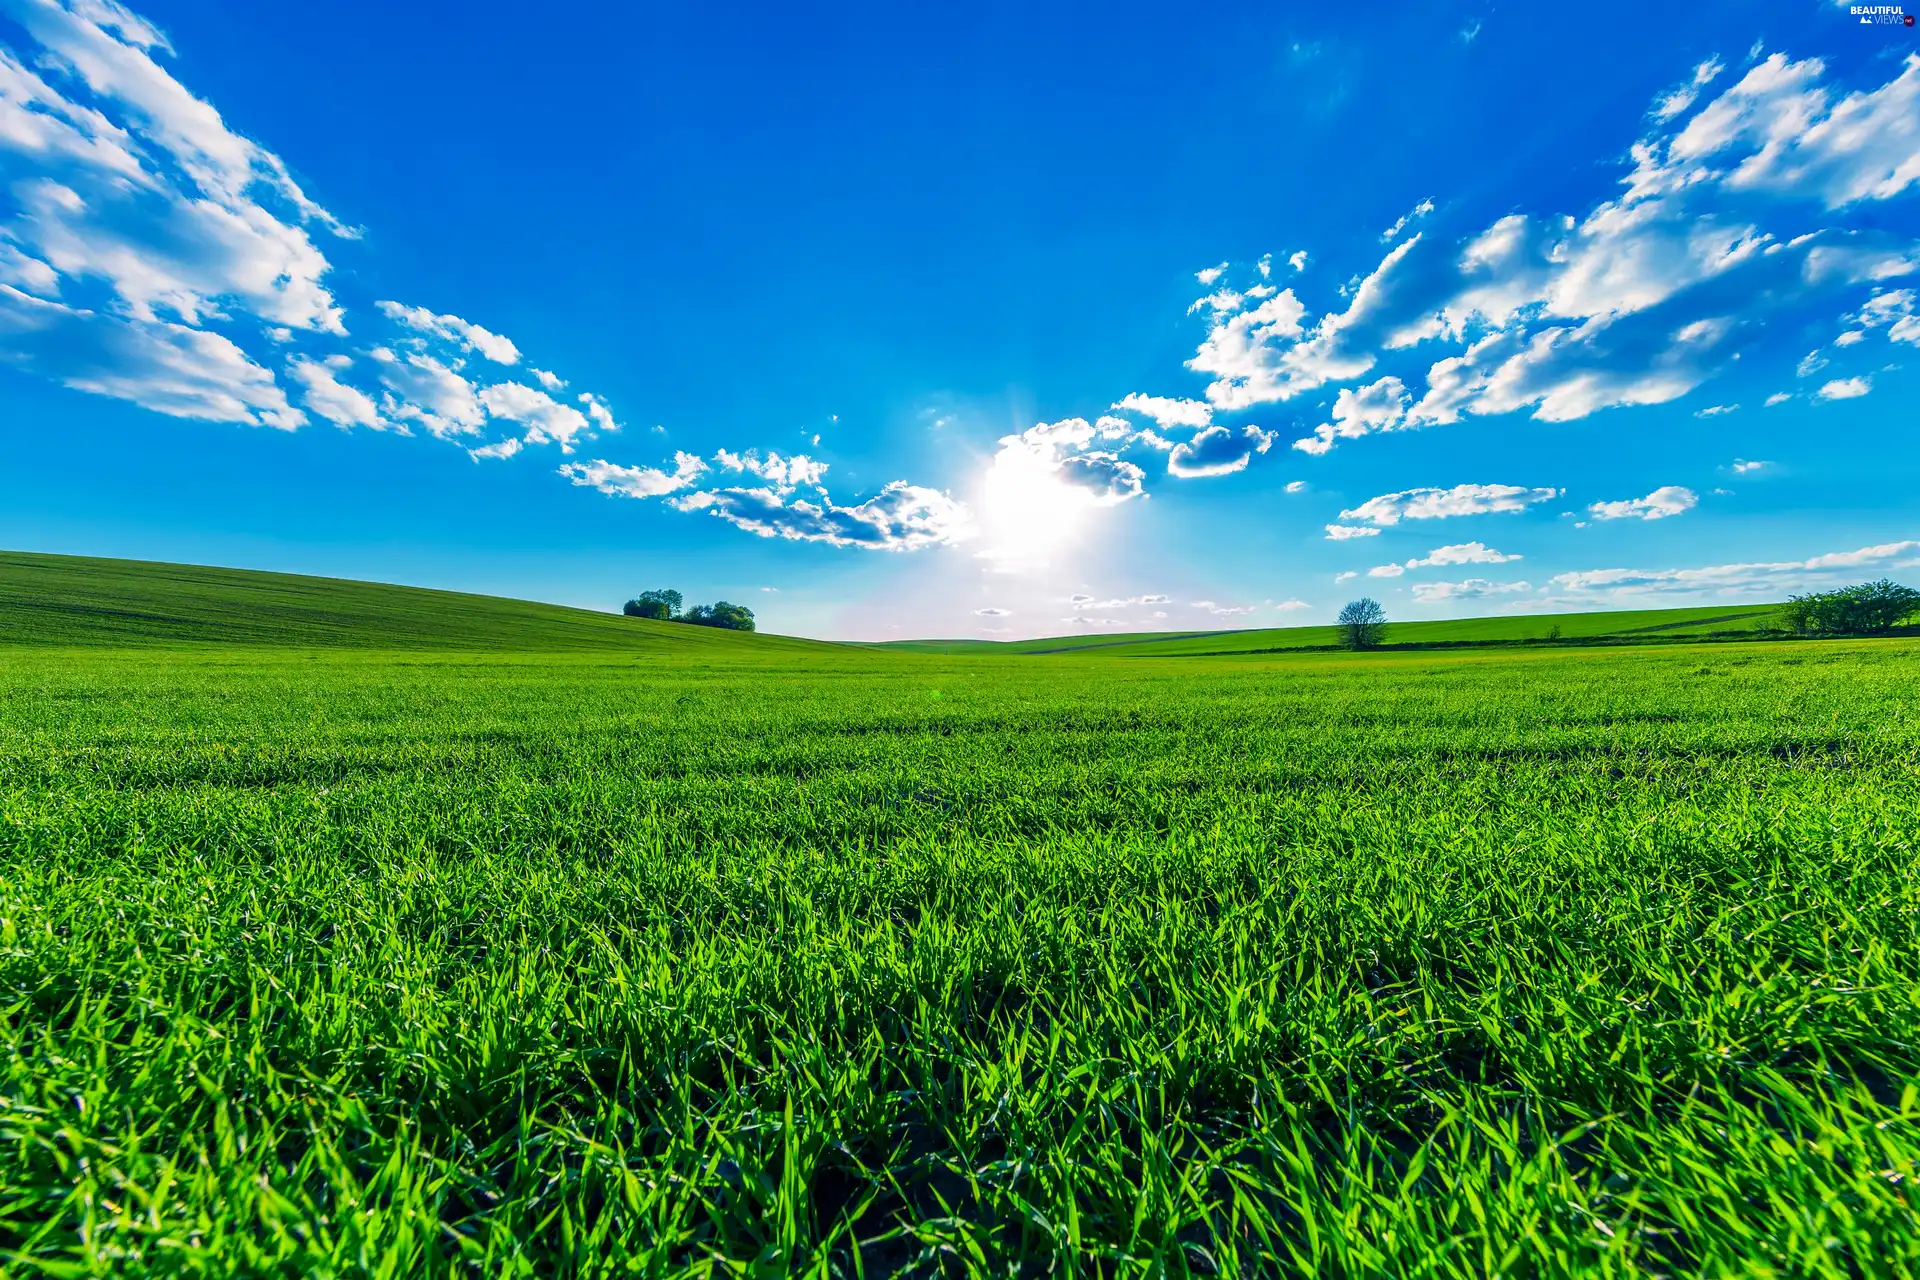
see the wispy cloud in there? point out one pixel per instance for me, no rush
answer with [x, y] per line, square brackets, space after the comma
[1636, 301]
[1436, 504]
[636, 482]
[901, 517]
[1470, 589]
[1667, 500]
[207, 257]
[1218, 451]
[1420, 210]
[1773, 578]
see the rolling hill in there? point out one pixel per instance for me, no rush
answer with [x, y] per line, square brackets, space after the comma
[77, 600]
[61, 600]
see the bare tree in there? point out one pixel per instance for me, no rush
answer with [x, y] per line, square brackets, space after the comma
[1363, 623]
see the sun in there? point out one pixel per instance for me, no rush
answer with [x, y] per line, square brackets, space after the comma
[1029, 514]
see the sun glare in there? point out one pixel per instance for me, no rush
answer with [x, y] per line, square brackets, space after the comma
[1029, 513]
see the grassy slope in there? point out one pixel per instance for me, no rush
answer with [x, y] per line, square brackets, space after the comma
[1650, 622]
[57, 600]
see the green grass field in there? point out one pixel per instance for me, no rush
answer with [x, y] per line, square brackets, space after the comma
[690, 953]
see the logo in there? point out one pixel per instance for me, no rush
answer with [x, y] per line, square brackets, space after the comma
[1881, 15]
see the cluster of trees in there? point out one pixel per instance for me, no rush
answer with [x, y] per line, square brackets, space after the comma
[1870, 609]
[664, 606]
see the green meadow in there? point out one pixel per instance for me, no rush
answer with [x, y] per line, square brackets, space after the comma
[359, 931]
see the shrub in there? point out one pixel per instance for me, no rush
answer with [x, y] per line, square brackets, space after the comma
[663, 606]
[1870, 609]
[732, 617]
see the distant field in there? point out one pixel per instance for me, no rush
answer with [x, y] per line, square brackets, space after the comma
[1650, 623]
[77, 600]
[825, 961]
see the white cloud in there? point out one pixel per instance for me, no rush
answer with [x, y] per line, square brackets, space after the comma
[463, 333]
[107, 47]
[1167, 411]
[130, 192]
[1679, 99]
[1348, 576]
[1342, 532]
[901, 517]
[333, 399]
[1296, 486]
[782, 473]
[498, 449]
[1779, 398]
[28, 273]
[1892, 309]
[1221, 300]
[1298, 261]
[1286, 606]
[168, 368]
[1420, 210]
[1742, 466]
[1120, 602]
[1799, 141]
[1774, 578]
[1637, 302]
[421, 389]
[1243, 352]
[1043, 483]
[1379, 406]
[597, 410]
[1461, 553]
[1667, 500]
[1225, 610]
[1461, 500]
[1055, 461]
[547, 420]
[1845, 389]
[1386, 571]
[1471, 589]
[1210, 274]
[124, 179]
[1218, 451]
[1715, 410]
[635, 482]
[993, 613]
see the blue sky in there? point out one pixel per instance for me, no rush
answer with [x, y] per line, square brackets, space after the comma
[999, 321]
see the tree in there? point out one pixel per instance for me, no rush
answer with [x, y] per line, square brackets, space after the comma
[1363, 623]
[663, 606]
[1870, 609]
[731, 617]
